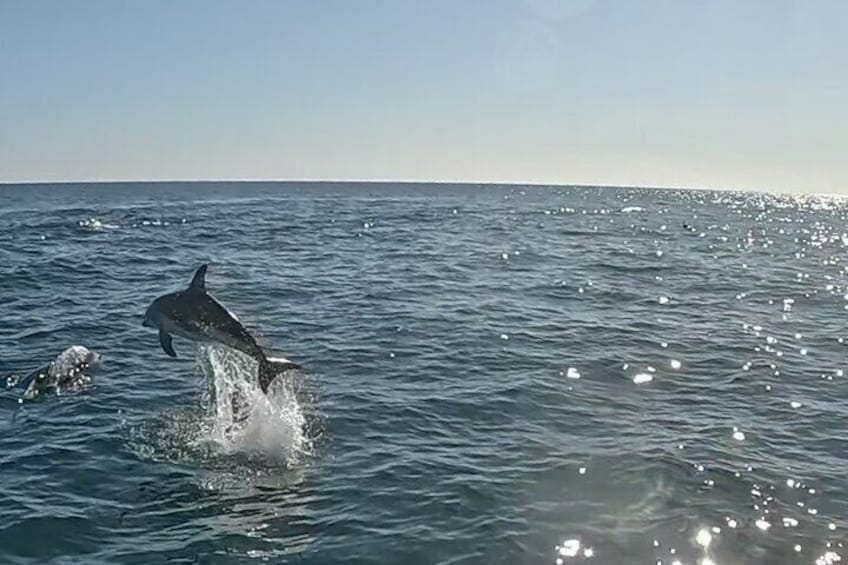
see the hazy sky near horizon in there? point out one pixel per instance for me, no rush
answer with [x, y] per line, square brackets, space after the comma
[725, 93]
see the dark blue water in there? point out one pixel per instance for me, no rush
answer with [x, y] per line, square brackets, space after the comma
[493, 375]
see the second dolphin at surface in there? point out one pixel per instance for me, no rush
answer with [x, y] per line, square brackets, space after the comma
[195, 314]
[69, 372]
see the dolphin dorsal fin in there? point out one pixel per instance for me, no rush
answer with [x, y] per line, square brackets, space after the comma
[199, 280]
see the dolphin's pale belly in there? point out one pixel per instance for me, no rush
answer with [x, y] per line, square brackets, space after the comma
[204, 333]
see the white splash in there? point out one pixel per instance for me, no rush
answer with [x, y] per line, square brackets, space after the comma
[829, 558]
[243, 419]
[642, 378]
[569, 548]
[704, 538]
[95, 224]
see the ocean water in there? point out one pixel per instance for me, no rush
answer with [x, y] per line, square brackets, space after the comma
[493, 374]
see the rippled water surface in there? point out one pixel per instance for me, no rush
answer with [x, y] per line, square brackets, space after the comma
[492, 375]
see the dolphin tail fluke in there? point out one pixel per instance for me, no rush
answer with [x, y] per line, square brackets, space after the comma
[270, 367]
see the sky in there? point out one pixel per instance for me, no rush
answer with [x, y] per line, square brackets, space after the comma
[720, 94]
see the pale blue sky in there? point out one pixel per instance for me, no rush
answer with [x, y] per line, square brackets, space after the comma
[655, 92]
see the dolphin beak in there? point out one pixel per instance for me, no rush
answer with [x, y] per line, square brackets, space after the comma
[146, 323]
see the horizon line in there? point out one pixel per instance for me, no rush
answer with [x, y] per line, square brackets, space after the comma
[412, 181]
[371, 181]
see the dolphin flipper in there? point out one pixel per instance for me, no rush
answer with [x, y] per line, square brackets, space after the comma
[167, 344]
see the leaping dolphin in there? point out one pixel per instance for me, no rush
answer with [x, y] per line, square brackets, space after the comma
[196, 315]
